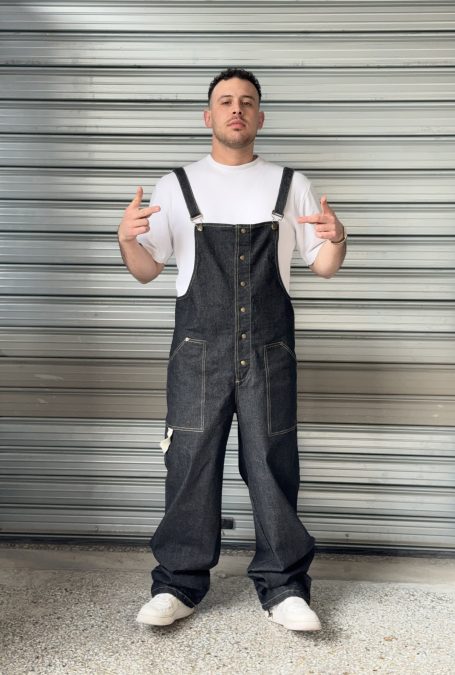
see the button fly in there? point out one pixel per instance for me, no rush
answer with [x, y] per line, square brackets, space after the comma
[243, 301]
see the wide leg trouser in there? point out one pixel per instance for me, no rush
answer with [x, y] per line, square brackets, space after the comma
[187, 542]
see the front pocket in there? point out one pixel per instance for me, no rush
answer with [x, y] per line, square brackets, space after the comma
[186, 385]
[281, 382]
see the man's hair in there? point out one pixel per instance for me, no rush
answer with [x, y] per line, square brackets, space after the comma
[229, 73]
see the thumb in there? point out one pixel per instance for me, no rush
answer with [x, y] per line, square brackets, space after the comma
[324, 205]
[137, 199]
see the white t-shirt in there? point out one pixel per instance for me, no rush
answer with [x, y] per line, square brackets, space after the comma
[230, 194]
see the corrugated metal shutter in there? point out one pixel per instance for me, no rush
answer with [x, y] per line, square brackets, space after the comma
[99, 97]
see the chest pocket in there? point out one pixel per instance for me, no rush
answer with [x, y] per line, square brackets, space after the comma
[281, 382]
[185, 389]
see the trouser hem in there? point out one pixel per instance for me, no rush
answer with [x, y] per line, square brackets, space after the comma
[278, 597]
[174, 591]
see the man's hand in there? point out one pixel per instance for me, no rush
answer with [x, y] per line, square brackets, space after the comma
[327, 224]
[135, 220]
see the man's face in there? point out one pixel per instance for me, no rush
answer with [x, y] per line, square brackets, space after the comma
[233, 114]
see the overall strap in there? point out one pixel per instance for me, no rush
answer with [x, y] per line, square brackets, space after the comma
[280, 205]
[191, 203]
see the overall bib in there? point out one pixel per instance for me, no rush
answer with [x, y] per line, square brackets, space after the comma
[232, 351]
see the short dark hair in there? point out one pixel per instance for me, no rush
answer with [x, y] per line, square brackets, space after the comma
[229, 73]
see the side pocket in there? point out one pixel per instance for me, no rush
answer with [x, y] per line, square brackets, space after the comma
[281, 383]
[186, 385]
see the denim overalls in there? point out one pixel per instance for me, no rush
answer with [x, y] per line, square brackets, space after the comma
[232, 351]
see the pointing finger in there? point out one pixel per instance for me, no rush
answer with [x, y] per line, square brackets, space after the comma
[314, 218]
[143, 213]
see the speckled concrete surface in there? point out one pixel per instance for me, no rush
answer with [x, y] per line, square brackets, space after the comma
[72, 610]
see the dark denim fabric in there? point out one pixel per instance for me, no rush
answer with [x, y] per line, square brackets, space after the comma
[232, 352]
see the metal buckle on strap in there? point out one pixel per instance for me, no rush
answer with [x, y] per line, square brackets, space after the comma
[198, 221]
[276, 218]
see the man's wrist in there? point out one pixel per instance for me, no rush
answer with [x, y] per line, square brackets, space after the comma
[345, 236]
[126, 242]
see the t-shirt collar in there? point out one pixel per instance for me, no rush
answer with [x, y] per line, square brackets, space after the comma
[231, 168]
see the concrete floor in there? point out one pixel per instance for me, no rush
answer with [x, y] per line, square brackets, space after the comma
[72, 608]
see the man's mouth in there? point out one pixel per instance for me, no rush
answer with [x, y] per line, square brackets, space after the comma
[236, 123]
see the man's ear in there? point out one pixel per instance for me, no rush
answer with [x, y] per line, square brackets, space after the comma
[261, 119]
[208, 118]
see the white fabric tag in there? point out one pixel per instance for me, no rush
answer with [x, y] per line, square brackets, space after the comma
[166, 441]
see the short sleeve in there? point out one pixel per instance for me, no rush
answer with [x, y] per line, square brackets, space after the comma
[308, 242]
[158, 240]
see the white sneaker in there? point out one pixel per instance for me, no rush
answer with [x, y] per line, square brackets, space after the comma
[294, 613]
[163, 609]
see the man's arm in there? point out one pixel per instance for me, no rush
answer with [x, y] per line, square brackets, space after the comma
[332, 254]
[329, 259]
[139, 261]
[135, 221]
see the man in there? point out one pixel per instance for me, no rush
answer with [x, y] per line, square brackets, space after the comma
[232, 220]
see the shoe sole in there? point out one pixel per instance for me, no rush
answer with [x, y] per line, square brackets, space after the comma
[297, 626]
[163, 620]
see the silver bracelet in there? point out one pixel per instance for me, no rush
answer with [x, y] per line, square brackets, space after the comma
[342, 240]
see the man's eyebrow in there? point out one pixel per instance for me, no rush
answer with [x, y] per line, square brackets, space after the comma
[230, 96]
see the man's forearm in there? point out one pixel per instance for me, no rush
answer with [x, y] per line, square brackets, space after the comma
[139, 261]
[329, 259]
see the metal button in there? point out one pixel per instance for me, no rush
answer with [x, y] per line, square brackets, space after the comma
[274, 225]
[243, 283]
[243, 336]
[242, 309]
[243, 362]
[243, 230]
[200, 227]
[242, 257]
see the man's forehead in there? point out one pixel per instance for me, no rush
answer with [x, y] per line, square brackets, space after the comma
[235, 87]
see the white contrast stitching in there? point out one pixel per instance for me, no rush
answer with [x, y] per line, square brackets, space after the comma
[267, 378]
[268, 385]
[203, 375]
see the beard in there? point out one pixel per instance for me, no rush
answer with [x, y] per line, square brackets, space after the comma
[234, 141]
